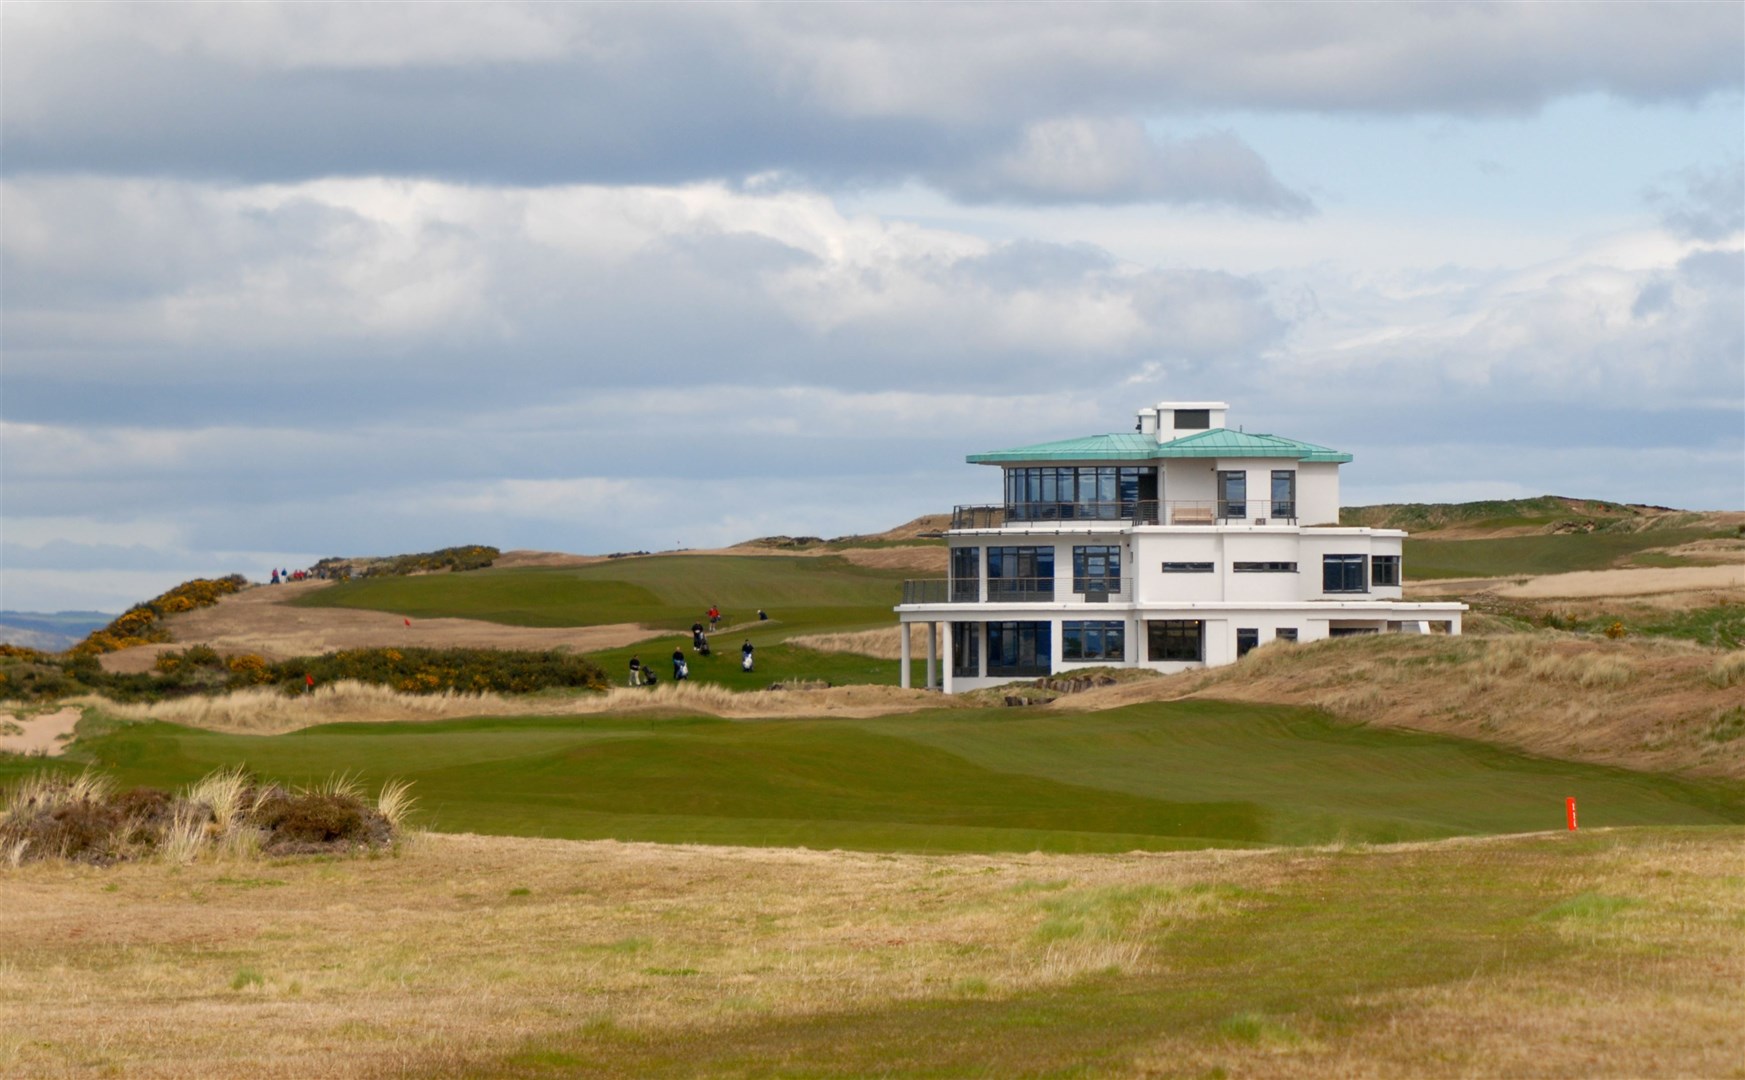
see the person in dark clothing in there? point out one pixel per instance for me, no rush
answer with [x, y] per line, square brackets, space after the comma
[762, 615]
[635, 671]
[679, 671]
[745, 655]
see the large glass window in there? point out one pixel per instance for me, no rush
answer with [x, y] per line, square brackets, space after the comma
[1193, 419]
[1082, 492]
[1100, 640]
[966, 575]
[1344, 573]
[1384, 570]
[966, 649]
[1175, 639]
[1232, 494]
[1020, 573]
[1284, 493]
[1096, 568]
[1019, 648]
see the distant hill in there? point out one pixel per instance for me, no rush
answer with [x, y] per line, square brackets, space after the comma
[49, 631]
[1546, 514]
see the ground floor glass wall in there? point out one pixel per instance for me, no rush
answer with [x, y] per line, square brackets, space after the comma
[1020, 648]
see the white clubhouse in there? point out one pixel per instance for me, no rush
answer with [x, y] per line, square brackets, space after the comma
[1181, 544]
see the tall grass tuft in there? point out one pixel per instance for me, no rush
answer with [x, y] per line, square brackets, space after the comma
[185, 837]
[226, 793]
[1728, 670]
[395, 801]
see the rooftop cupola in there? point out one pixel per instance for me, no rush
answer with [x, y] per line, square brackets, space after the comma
[1168, 420]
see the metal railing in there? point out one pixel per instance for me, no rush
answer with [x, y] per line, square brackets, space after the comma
[1141, 512]
[1090, 589]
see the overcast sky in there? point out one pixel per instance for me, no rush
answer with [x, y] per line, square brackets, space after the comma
[287, 281]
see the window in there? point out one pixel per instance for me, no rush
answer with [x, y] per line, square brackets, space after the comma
[1187, 567]
[1384, 570]
[1193, 419]
[1247, 640]
[1344, 573]
[1233, 494]
[1096, 568]
[1351, 631]
[1175, 639]
[1085, 493]
[1285, 633]
[1284, 493]
[1019, 648]
[1020, 573]
[1105, 640]
[966, 575]
[1264, 567]
[966, 649]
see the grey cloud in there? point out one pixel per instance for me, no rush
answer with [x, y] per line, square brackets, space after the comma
[1090, 160]
[474, 307]
[1708, 203]
[982, 99]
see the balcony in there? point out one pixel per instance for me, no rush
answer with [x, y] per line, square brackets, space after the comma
[1084, 590]
[1143, 512]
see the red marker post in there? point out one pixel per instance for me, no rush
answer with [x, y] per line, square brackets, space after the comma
[1569, 807]
[309, 681]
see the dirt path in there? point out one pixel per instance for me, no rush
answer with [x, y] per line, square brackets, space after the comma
[259, 620]
[44, 733]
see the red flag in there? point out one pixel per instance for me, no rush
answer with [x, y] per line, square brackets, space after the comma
[408, 624]
[309, 679]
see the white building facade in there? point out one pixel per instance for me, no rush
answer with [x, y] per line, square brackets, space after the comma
[1182, 544]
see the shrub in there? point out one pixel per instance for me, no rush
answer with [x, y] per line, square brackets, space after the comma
[432, 671]
[81, 819]
[141, 624]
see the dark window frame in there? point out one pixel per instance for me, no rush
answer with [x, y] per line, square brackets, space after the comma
[1344, 573]
[1192, 420]
[966, 574]
[1263, 568]
[1284, 506]
[1285, 633]
[1028, 643]
[1173, 640]
[1247, 640]
[1233, 494]
[1189, 567]
[1096, 568]
[966, 649]
[1077, 636]
[1384, 570]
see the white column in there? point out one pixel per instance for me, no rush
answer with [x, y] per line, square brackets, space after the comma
[932, 652]
[903, 649]
[945, 660]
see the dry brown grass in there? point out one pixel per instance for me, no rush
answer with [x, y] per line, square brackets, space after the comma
[269, 712]
[465, 948]
[1638, 703]
[885, 643]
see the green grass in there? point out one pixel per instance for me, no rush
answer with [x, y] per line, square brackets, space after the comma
[666, 591]
[1428, 559]
[1150, 777]
[802, 596]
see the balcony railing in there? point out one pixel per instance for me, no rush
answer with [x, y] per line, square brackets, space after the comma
[1083, 590]
[1142, 512]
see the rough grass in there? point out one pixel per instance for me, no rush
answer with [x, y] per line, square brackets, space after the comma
[1602, 954]
[1638, 703]
[87, 818]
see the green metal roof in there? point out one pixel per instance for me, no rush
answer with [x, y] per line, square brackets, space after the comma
[1133, 446]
